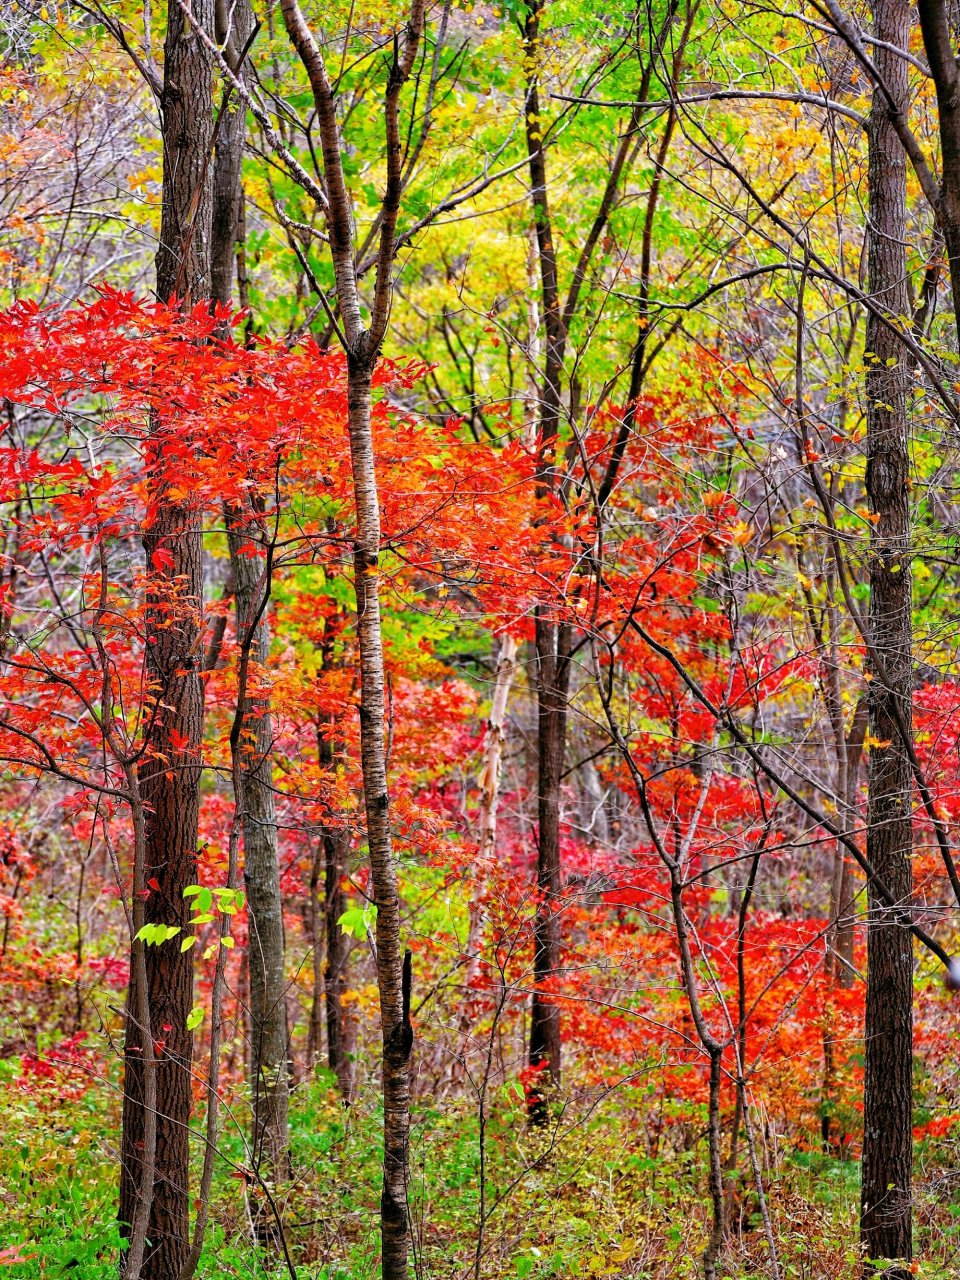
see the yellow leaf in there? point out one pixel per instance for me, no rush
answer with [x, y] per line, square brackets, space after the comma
[741, 533]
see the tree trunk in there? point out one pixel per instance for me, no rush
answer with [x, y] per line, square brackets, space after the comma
[362, 346]
[311, 926]
[487, 820]
[335, 963]
[234, 24]
[170, 779]
[269, 1049]
[553, 675]
[846, 898]
[183, 254]
[885, 1221]
[393, 966]
[269, 1077]
[939, 44]
[332, 861]
[551, 640]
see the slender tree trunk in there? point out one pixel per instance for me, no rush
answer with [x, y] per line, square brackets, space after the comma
[553, 674]
[553, 639]
[886, 1211]
[311, 925]
[332, 861]
[362, 345]
[487, 817]
[846, 900]
[840, 936]
[170, 778]
[335, 963]
[939, 43]
[234, 24]
[550, 639]
[393, 967]
[269, 1049]
[493, 748]
[269, 1076]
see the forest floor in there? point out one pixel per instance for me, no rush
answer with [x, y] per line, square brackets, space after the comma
[584, 1196]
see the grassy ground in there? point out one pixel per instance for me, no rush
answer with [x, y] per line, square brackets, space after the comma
[584, 1197]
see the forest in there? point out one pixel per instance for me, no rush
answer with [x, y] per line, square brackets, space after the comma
[479, 639]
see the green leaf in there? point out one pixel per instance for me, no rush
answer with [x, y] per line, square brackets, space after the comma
[187, 943]
[152, 935]
[194, 1017]
[355, 921]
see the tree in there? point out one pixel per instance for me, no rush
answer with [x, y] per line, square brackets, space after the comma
[170, 788]
[362, 344]
[250, 573]
[886, 1206]
[554, 639]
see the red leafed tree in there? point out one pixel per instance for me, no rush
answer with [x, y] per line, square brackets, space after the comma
[150, 399]
[84, 697]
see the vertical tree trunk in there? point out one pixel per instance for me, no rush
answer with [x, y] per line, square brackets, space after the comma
[487, 817]
[332, 860]
[839, 926]
[362, 346]
[552, 641]
[846, 896]
[335, 961]
[234, 24]
[312, 932]
[269, 1079]
[939, 45]
[885, 1221]
[393, 966]
[183, 254]
[840, 934]
[170, 779]
[553, 675]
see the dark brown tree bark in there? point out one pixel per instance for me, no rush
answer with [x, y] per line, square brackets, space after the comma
[170, 779]
[551, 641]
[330, 867]
[939, 44]
[553, 680]
[886, 1212]
[335, 843]
[269, 1082]
[183, 254]
[269, 1049]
